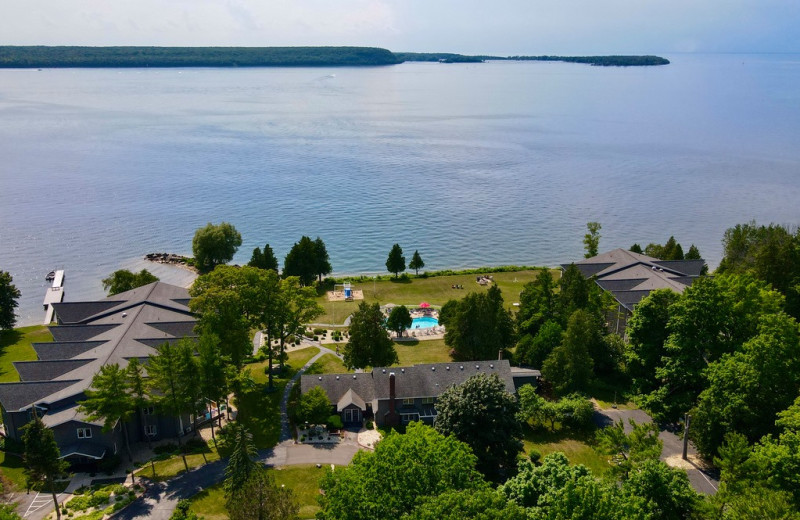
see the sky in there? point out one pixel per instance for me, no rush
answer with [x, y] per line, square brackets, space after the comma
[504, 27]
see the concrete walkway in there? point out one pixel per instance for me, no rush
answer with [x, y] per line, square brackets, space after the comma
[703, 480]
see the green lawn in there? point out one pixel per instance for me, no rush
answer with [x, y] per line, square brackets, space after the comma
[173, 466]
[296, 360]
[428, 351]
[12, 469]
[435, 290]
[302, 480]
[577, 446]
[327, 364]
[15, 345]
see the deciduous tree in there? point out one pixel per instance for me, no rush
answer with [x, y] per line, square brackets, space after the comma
[569, 366]
[396, 262]
[664, 492]
[313, 407]
[399, 320]
[369, 343]
[538, 303]
[484, 504]
[419, 463]
[533, 351]
[9, 294]
[295, 305]
[647, 332]
[481, 413]
[629, 450]
[214, 245]
[125, 280]
[591, 240]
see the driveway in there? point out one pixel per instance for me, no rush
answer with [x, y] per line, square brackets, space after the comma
[702, 479]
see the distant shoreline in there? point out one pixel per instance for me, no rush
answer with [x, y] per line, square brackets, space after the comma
[39, 57]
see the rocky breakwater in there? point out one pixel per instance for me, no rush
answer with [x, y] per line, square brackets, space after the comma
[169, 258]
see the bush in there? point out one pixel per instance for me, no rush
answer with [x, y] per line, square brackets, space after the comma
[119, 489]
[169, 447]
[370, 425]
[98, 498]
[319, 332]
[196, 445]
[79, 503]
[334, 422]
[535, 456]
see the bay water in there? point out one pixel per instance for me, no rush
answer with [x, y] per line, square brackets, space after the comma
[471, 164]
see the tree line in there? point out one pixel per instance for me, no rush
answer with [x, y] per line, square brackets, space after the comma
[74, 56]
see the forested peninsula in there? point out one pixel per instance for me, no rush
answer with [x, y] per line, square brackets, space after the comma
[52, 57]
[65, 57]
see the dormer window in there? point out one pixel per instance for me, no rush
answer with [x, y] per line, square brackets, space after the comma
[84, 433]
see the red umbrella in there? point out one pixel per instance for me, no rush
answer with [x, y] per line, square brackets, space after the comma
[424, 305]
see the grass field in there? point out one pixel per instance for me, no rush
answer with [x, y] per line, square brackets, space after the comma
[577, 446]
[436, 290]
[15, 345]
[173, 466]
[302, 480]
[428, 351]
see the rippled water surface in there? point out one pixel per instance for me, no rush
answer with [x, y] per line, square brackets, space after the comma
[472, 164]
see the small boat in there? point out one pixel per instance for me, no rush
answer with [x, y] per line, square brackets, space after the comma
[50, 276]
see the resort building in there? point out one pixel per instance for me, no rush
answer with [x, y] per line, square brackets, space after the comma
[630, 276]
[89, 335]
[400, 395]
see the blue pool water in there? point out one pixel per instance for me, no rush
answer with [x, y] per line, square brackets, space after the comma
[424, 323]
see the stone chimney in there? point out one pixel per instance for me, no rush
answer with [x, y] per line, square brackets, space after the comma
[392, 418]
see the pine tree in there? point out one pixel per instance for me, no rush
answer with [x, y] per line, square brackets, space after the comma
[396, 262]
[416, 263]
[42, 456]
[241, 463]
[109, 400]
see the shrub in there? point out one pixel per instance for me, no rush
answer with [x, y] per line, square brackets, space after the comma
[370, 425]
[535, 456]
[196, 445]
[169, 447]
[319, 332]
[334, 422]
[99, 497]
[119, 489]
[79, 503]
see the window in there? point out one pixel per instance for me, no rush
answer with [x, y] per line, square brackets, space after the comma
[427, 400]
[409, 417]
[148, 410]
[84, 433]
[408, 402]
[150, 430]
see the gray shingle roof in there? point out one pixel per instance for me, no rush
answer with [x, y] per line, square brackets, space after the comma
[47, 370]
[79, 332]
[15, 396]
[63, 349]
[75, 312]
[425, 380]
[114, 333]
[629, 276]
[86, 449]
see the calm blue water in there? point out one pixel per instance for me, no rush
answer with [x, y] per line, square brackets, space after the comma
[472, 164]
[424, 322]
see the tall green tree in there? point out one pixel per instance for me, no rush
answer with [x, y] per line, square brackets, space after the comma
[9, 294]
[388, 482]
[232, 301]
[241, 463]
[533, 351]
[485, 504]
[479, 326]
[109, 399]
[322, 264]
[313, 407]
[664, 492]
[591, 240]
[42, 457]
[259, 498]
[569, 366]
[416, 263]
[213, 376]
[213, 245]
[399, 320]
[295, 305]
[636, 248]
[481, 413]
[189, 373]
[693, 253]
[264, 259]
[137, 386]
[125, 280]
[630, 449]
[396, 262]
[308, 259]
[573, 292]
[167, 388]
[745, 390]
[369, 343]
[647, 333]
[537, 303]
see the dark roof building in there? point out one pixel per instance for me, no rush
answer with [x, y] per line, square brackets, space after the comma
[409, 392]
[88, 336]
[630, 276]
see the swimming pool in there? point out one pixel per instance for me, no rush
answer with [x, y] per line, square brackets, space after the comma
[424, 322]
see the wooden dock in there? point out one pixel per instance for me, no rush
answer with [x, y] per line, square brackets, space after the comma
[54, 294]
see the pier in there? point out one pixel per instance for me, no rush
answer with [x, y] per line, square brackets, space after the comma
[54, 294]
